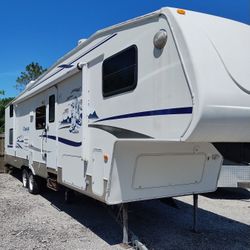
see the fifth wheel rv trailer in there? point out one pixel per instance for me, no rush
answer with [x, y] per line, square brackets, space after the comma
[132, 112]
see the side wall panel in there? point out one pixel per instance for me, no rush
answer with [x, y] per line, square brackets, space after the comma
[70, 131]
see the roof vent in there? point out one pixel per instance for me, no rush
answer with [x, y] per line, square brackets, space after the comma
[29, 84]
[81, 41]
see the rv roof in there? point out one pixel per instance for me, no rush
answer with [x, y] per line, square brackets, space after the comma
[83, 44]
[102, 33]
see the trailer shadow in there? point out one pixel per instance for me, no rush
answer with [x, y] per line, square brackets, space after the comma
[229, 194]
[156, 224]
[87, 211]
[165, 227]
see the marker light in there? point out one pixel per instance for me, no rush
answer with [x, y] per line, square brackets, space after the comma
[105, 158]
[181, 11]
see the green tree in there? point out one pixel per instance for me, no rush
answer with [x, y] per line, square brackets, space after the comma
[32, 72]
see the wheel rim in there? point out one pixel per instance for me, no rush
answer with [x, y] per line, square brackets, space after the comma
[25, 179]
[31, 182]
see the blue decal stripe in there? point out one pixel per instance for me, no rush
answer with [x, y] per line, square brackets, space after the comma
[65, 66]
[18, 145]
[172, 111]
[52, 137]
[68, 142]
[63, 140]
[68, 126]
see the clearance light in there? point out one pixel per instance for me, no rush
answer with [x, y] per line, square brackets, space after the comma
[105, 158]
[181, 12]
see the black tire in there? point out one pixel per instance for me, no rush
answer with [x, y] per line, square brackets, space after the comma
[25, 178]
[34, 187]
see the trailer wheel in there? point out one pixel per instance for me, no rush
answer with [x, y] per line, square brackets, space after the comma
[25, 178]
[33, 184]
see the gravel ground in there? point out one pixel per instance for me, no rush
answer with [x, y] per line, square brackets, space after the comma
[46, 222]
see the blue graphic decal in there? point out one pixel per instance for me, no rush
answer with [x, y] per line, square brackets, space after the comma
[65, 66]
[93, 115]
[20, 139]
[18, 145]
[172, 111]
[52, 137]
[69, 142]
[72, 115]
[22, 142]
[63, 140]
[26, 129]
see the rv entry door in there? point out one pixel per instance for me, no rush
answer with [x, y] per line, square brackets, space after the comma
[50, 144]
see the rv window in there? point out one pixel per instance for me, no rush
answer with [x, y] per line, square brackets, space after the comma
[41, 117]
[11, 136]
[11, 110]
[52, 108]
[119, 72]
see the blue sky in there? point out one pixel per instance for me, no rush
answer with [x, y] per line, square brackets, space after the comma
[43, 31]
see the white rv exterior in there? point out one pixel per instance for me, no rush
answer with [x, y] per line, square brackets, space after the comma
[121, 118]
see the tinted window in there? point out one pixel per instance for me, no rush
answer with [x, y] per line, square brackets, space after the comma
[11, 110]
[119, 72]
[11, 136]
[52, 108]
[41, 117]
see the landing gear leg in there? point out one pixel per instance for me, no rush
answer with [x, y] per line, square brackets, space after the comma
[68, 196]
[125, 223]
[195, 210]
